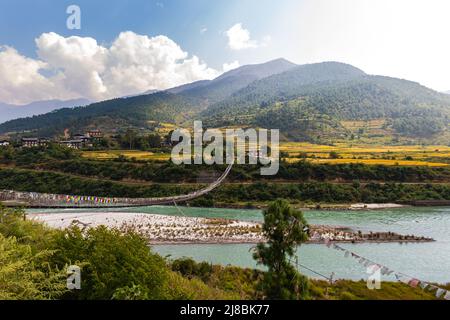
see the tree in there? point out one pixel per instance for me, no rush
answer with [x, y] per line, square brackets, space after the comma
[154, 140]
[284, 228]
[130, 138]
[334, 155]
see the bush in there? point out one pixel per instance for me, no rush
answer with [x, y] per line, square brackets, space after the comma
[25, 275]
[110, 260]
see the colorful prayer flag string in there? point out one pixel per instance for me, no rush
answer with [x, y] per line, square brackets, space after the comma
[411, 281]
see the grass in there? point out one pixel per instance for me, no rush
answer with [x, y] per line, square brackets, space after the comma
[357, 290]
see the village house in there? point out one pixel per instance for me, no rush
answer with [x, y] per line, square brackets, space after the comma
[34, 142]
[82, 137]
[79, 141]
[97, 134]
[73, 144]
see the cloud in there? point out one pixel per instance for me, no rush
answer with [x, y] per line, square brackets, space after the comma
[203, 30]
[240, 39]
[80, 67]
[230, 66]
[21, 80]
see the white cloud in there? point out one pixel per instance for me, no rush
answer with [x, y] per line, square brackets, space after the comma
[80, 67]
[21, 80]
[239, 38]
[230, 66]
[203, 30]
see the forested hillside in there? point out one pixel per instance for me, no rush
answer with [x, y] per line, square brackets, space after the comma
[306, 102]
[310, 102]
[109, 115]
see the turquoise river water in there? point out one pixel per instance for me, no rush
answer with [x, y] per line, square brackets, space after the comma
[425, 261]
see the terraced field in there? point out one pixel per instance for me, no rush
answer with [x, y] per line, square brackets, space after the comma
[129, 154]
[368, 154]
[432, 156]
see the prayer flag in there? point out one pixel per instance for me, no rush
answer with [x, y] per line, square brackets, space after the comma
[423, 285]
[447, 296]
[440, 292]
[414, 283]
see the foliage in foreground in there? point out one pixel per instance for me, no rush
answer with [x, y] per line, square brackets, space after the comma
[33, 261]
[25, 275]
[245, 281]
[114, 265]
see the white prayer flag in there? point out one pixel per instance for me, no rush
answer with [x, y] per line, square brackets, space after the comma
[447, 296]
[440, 292]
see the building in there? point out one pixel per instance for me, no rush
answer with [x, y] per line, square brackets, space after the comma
[82, 137]
[35, 142]
[4, 143]
[87, 140]
[73, 144]
[94, 134]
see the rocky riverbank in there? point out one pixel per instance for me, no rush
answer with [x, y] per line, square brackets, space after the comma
[161, 229]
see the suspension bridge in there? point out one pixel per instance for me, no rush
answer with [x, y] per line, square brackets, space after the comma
[44, 200]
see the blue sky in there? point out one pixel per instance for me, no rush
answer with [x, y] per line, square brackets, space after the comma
[21, 21]
[172, 42]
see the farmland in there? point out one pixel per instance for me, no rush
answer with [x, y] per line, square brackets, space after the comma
[128, 154]
[343, 153]
[432, 156]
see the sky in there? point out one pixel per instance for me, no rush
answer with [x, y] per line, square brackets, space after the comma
[129, 47]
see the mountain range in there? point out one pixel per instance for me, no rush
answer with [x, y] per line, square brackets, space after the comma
[314, 102]
[10, 111]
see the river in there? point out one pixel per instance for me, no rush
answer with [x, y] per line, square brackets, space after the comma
[425, 261]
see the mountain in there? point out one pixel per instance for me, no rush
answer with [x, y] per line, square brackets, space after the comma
[9, 111]
[319, 102]
[192, 97]
[232, 81]
[289, 83]
[189, 86]
[313, 102]
[109, 116]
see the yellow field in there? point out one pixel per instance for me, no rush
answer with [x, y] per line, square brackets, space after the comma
[165, 128]
[373, 162]
[357, 148]
[368, 154]
[433, 156]
[130, 154]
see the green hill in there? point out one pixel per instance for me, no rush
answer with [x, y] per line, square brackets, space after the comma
[232, 81]
[315, 99]
[108, 115]
[312, 102]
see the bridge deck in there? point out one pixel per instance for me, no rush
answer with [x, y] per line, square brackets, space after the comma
[44, 200]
